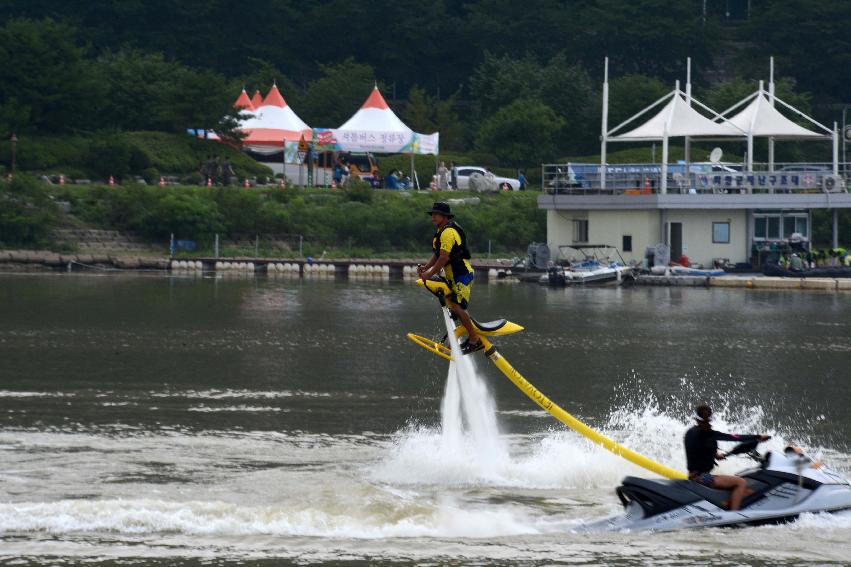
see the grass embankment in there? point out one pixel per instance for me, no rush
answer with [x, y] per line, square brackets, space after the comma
[124, 155]
[357, 222]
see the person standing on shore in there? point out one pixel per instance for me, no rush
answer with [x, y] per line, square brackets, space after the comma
[452, 255]
[442, 177]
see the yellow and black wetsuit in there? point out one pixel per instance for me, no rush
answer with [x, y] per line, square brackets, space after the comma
[458, 270]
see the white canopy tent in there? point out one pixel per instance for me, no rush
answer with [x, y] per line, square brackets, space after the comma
[677, 119]
[761, 119]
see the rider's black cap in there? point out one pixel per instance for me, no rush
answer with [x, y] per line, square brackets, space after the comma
[441, 208]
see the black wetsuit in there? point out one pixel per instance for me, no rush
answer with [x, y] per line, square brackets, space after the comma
[702, 446]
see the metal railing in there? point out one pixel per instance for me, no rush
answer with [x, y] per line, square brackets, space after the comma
[646, 179]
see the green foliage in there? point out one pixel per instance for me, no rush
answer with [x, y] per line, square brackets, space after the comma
[357, 190]
[366, 219]
[45, 81]
[342, 88]
[417, 112]
[522, 133]
[186, 213]
[27, 215]
[810, 42]
[110, 155]
[630, 94]
[114, 153]
[563, 86]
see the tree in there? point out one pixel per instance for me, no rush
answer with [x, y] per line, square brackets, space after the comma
[521, 134]
[810, 41]
[630, 94]
[418, 111]
[454, 132]
[333, 98]
[45, 82]
[500, 80]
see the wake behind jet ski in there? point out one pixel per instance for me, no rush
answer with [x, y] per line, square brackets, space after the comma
[784, 485]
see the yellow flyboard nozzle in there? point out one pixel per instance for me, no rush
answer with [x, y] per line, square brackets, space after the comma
[440, 350]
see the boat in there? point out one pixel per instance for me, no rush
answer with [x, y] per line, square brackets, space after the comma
[589, 264]
[785, 485]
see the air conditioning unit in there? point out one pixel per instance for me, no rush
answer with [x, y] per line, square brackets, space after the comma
[832, 184]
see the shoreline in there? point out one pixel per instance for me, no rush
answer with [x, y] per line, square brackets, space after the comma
[35, 261]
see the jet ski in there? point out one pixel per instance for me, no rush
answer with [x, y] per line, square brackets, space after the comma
[784, 486]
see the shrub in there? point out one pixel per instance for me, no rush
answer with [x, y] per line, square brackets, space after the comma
[151, 175]
[358, 190]
[194, 178]
[27, 214]
[110, 156]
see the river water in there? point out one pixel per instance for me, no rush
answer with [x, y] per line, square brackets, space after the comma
[166, 420]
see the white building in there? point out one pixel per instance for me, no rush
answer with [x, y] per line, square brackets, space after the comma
[703, 211]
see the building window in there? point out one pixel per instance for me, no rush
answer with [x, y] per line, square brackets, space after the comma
[721, 233]
[773, 228]
[627, 243]
[759, 224]
[580, 230]
[780, 226]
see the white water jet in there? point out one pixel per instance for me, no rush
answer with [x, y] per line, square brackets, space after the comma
[468, 402]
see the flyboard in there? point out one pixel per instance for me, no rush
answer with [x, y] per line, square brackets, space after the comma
[502, 327]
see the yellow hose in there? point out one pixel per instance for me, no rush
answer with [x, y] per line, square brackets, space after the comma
[552, 408]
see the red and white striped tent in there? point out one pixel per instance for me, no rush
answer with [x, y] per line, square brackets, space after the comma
[244, 102]
[271, 123]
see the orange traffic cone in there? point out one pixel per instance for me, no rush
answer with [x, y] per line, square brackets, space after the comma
[111, 181]
[162, 181]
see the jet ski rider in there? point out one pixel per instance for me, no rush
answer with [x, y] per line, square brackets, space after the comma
[701, 443]
[451, 254]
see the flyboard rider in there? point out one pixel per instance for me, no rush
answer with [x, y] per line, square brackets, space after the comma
[701, 443]
[451, 255]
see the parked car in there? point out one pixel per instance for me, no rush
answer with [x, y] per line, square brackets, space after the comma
[461, 177]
